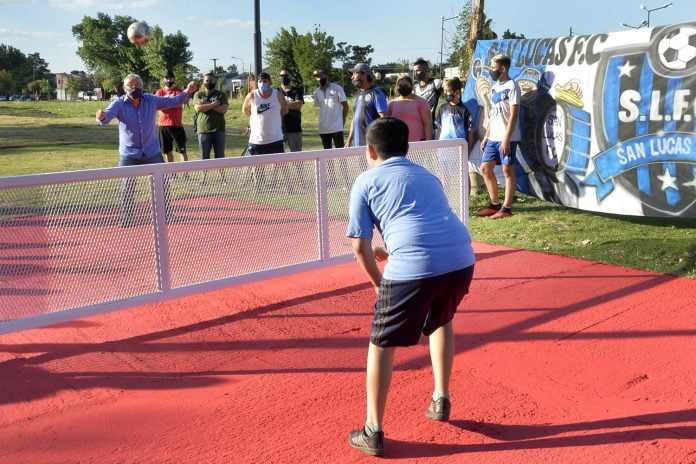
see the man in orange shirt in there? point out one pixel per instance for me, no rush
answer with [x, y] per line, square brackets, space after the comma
[171, 128]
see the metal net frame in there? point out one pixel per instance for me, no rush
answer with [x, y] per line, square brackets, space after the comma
[77, 244]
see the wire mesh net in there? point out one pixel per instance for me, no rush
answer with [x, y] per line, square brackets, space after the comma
[72, 245]
[240, 220]
[80, 243]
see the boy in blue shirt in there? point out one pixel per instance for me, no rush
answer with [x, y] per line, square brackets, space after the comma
[430, 267]
[453, 121]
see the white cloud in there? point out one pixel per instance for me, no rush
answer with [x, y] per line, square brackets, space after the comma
[79, 4]
[29, 34]
[193, 18]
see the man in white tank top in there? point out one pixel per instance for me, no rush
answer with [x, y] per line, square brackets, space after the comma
[265, 108]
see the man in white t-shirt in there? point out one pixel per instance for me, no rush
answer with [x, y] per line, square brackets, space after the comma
[333, 107]
[333, 110]
[499, 145]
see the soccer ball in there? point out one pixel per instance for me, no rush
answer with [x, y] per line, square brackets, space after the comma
[139, 33]
[677, 49]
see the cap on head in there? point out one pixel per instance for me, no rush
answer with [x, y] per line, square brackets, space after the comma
[361, 67]
[168, 73]
[319, 71]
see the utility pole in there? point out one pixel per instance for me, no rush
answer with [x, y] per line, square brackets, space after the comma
[257, 37]
[214, 60]
[571, 31]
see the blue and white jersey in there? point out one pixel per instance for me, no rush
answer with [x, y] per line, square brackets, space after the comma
[454, 121]
[368, 104]
[503, 96]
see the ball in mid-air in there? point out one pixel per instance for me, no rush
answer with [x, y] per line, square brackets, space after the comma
[139, 33]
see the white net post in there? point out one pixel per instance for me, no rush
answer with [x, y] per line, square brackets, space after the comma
[159, 203]
[464, 183]
[323, 208]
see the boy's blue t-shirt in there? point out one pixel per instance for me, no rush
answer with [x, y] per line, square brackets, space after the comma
[407, 204]
[454, 121]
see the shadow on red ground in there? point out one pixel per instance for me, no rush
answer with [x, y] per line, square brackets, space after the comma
[558, 360]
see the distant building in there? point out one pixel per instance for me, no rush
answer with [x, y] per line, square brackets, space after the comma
[62, 80]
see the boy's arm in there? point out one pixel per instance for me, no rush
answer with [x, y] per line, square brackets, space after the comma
[362, 249]
[505, 144]
[246, 108]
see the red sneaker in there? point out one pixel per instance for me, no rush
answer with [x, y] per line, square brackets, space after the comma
[502, 214]
[489, 210]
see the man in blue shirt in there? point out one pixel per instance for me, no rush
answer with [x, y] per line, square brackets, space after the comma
[137, 137]
[431, 264]
[370, 104]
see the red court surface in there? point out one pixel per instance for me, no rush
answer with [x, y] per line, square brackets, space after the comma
[559, 360]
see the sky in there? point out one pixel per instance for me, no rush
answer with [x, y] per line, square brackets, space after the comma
[397, 29]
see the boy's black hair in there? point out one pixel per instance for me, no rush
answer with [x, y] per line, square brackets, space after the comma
[422, 62]
[264, 75]
[453, 83]
[388, 136]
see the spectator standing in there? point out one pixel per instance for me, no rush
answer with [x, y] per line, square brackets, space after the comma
[413, 110]
[370, 104]
[210, 105]
[502, 137]
[292, 121]
[265, 108]
[453, 121]
[426, 87]
[331, 100]
[171, 127]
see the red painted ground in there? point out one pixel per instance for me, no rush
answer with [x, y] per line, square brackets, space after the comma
[559, 360]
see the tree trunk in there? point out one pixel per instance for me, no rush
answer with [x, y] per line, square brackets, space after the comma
[476, 31]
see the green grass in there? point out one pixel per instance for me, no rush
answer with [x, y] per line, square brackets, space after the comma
[62, 136]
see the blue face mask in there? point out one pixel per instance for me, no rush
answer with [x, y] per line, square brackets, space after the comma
[135, 92]
[264, 86]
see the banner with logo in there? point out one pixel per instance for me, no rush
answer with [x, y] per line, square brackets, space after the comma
[608, 120]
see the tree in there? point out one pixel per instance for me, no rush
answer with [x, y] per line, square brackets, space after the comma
[279, 51]
[105, 48]
[512, 35]
[462, 47]
[303, 53]
[23, 68]
[7, 82]
[72, 87]
[45, 87]
[35, 88]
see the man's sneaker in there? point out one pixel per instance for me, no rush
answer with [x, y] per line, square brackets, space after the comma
[372, 444]
[439, 410]
[502, 214]
[489, 210]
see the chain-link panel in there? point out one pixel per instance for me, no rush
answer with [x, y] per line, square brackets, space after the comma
[235, 221]
[443, 162]
[92, 241]
[64, 246]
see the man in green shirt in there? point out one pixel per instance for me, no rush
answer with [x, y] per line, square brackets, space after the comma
[211, 106]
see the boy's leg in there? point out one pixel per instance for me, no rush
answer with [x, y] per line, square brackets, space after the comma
[510, 184]
[380, 363]
[488, 173]
[442, 356]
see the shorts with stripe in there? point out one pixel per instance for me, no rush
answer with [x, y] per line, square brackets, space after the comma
[407, 309]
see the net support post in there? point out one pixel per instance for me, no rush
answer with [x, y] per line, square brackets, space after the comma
[464, 182]
[323, 208]
[159, 203]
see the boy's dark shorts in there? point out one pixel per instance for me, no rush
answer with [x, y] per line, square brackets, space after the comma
[407, 309]
[168, 135]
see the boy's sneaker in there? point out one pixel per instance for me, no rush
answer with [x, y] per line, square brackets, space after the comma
[368, 444]
[502, 214]
[489, 210]
[439, 410]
